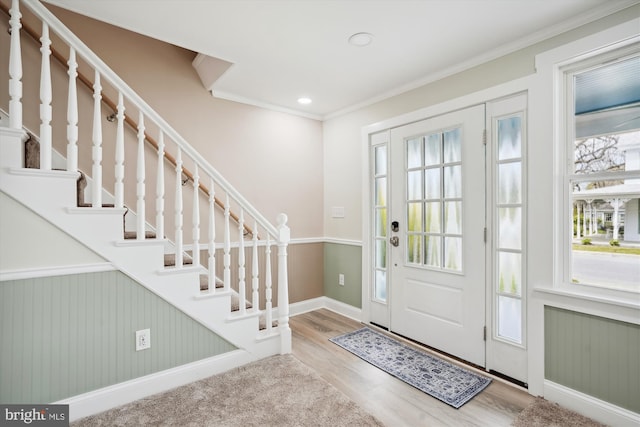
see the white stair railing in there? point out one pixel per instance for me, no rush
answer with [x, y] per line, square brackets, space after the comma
[160, 189]
[15, 68]
[178, 211]
[211, 273]
[140, 187]
[96, 170]
[72, 116]
[119, 156]
[45, 99]
[167, 137]
[195, 218]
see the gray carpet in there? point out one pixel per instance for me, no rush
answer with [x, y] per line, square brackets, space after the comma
[542, 413]
[277, 391]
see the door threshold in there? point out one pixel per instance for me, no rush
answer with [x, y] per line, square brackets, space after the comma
[509, 379]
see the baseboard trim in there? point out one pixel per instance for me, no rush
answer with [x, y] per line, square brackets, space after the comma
[109, 397]
[63, 270]
[328, 303]
[590, 406]
[115, 395]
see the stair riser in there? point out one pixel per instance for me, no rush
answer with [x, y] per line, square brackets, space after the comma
[40, 193]
[11, 148]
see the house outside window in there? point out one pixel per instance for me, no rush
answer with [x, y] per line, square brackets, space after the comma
[602, 173]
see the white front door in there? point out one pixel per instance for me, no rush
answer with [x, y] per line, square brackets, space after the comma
[437, 270]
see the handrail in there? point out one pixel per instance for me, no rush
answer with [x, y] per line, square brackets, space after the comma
[131, 122]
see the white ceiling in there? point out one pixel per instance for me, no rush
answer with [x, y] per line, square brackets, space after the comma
[284, 49]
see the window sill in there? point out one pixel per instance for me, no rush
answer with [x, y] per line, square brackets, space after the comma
[626, 309]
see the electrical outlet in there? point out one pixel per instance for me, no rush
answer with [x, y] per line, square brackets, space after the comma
[143, 339]
[341, 279]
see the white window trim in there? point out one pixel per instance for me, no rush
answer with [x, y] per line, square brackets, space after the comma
[550, 95]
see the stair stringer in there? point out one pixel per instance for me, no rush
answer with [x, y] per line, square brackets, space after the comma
[51, 194]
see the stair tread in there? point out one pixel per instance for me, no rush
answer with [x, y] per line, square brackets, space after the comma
[89, 205]
[204, 283]
[235, 302]
[170, 260]
[235, 298]
[130, 235]
[262, 324]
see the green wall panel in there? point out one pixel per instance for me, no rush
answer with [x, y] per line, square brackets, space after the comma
[597, 356]
[67, 335]
[345, 259]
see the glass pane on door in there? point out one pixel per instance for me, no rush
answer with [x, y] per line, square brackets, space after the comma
[509, 208]
[434, 200]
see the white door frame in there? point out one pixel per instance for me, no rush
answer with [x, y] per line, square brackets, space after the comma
[480, 97]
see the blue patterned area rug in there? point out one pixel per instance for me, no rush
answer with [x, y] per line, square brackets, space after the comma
[443, 380]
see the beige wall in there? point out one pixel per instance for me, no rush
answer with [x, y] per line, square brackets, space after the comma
[343, 134]
[273, 159]
[258, 151]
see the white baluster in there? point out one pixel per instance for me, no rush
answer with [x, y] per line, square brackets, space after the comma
[96, 153]
[212, 237]
[268, 292]
[255, 283]
[160, 189]
[195, 217]
[284, 236]
[242, 291]
[178, 209]
[72, 113]
[119, 167]
[45, 99]
[140, 176]
[15, 68]
[227, 246]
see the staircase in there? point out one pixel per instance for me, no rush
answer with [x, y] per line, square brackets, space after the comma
[115, 216]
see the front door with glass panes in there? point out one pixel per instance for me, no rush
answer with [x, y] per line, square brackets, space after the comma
[437, 255]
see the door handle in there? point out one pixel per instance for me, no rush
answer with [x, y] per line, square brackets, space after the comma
[395, 241]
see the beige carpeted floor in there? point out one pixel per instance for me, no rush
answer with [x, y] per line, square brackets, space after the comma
[277, 391]
[542, 413]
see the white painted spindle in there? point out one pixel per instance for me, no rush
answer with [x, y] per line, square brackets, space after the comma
[119, 167]
[268, 292]
[15, 68]
[160, 189]
[255, 283]
[227, 246]
[212, 237]
[178, 209]
[72, 113]
[242, 290]
[284, 236]
[195, 217]
[140, 176]
[96, 154]
[45, 99]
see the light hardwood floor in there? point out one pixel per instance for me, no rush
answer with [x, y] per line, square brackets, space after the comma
[392, 401]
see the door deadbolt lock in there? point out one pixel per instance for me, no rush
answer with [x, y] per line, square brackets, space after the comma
[395, 241]
[395, 226]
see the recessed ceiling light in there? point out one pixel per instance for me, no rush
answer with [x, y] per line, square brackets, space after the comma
[304, 100]
[361, 39]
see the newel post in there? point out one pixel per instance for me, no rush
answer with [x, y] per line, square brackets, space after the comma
[284, 236]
